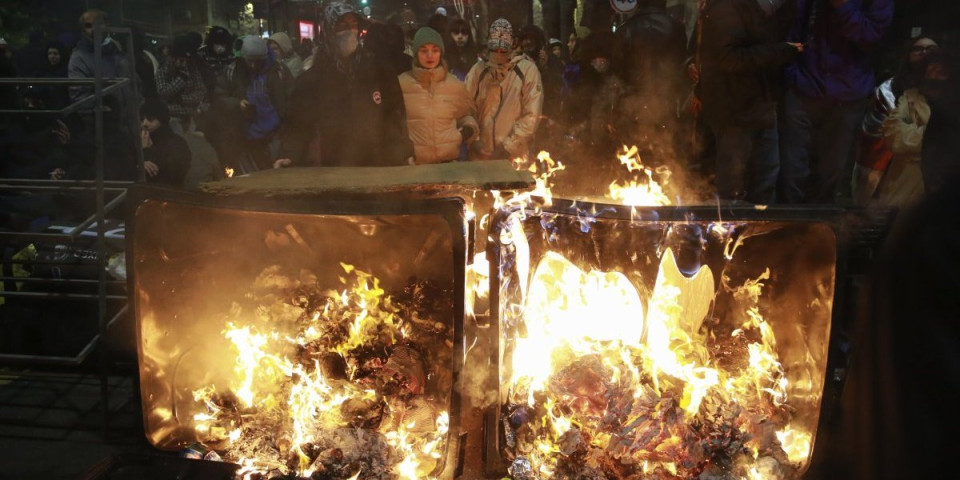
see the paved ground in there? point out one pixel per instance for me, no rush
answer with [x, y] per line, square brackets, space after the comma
[51, 424]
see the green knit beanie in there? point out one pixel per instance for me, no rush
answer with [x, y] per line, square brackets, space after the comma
[427, 35]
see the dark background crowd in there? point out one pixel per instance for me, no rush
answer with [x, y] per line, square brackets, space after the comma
[840, 102]
[766, 101]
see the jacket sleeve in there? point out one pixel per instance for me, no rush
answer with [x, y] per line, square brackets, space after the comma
[297, 131]
[195, 94]
[865, 28]
[178, 162]
[905, 126]
[397, 144]
[78, 68]
[531, 103]
[724, 34]
[472, 82]
[281, 91]
[880, 107]
[465, 111]
[169, 84]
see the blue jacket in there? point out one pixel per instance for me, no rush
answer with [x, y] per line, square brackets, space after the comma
[835, 63]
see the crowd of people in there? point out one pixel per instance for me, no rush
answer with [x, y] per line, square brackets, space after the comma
[775, 100]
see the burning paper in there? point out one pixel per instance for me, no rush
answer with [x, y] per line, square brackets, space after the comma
[605, 385]
[338, 384]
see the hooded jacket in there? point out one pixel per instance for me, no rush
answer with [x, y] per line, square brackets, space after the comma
[353, 114]
[437, 106]
[509, 101]
[172, 156]
[269, 89]
[292, 61]
[349, 111]
[114, 65]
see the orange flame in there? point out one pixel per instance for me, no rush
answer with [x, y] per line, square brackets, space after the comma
[267, 380]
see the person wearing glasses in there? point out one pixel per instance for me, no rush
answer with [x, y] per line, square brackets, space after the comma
[438, 106]
[888, 168]
[508, 93]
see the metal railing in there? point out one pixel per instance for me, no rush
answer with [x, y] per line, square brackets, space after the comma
[100, 187]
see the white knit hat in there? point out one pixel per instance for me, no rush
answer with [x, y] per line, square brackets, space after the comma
[500, 35]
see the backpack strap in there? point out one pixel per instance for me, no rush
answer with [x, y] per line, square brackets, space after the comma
[476, 94]
[516, 69]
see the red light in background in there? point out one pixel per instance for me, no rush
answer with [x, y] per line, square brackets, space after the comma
[306, 30]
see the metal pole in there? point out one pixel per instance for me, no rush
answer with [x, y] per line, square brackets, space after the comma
[101, 231]
[133, 116]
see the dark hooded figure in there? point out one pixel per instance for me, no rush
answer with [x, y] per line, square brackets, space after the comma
[166, 156]
[461, 49]
[654, 51]
[56, 57]
[385, 41]
[144, 63]
[217, 54]
[348, 106]
[533, 42]
[256, 105]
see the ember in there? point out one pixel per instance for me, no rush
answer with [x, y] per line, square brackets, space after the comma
[334, 384]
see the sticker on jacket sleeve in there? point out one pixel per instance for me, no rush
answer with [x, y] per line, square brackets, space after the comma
[376, 97]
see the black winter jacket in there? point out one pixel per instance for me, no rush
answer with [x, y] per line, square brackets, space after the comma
[740, 57]
[172, 156]
[357, 117]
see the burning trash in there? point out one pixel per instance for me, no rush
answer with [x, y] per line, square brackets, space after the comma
[635, 345]
[335, 383]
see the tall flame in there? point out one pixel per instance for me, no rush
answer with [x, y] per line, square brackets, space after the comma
[570, 314]
[642, 189]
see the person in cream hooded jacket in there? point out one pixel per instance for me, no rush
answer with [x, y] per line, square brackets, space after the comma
[508, 93]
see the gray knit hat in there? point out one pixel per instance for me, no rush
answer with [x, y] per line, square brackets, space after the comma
[427, 35]
[501, 35]
[253, 47]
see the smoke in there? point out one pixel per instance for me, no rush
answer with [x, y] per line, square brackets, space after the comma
[477, 386]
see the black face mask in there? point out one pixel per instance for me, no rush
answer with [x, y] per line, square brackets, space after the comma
[770, 7]
[532, 53]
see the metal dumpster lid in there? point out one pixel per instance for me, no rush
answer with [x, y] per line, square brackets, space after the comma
[455, 176]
